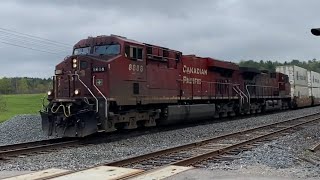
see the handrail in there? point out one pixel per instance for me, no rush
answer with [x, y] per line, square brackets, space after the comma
[243, 94]
[236, 90]
[54, 84]
[262, 86]
[106, 100]
[97, 101]
[223, 83]
[248, 94]
[258, 86]
[213, 82]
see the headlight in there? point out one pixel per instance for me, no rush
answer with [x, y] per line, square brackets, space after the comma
[49, 93]
[77, 92]
[74, 63]
[58, 72]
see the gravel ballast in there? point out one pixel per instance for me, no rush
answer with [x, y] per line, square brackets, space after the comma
[287, 156]
[12, 132]
[21, 128]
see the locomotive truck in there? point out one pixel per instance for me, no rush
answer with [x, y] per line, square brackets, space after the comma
[112, 82]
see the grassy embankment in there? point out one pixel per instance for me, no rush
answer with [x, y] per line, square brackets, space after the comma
[21, 104]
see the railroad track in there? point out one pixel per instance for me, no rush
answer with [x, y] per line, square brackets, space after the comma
[199, 154]
[21, 150]
[36, 147]
[10, 152]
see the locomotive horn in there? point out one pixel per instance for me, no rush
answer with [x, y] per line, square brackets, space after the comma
[315, 31]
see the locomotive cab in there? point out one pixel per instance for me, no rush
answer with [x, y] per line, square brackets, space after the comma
[78, 102]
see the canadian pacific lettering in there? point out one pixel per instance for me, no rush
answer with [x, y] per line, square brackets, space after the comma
[193, 70]
[187, 80]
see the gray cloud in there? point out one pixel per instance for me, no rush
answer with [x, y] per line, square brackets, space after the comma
[225, 29]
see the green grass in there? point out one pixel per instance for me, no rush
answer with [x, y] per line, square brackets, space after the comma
[21, 104]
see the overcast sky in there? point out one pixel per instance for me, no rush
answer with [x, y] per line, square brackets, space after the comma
[225, 29]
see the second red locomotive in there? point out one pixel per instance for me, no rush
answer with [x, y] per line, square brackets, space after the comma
[111, 82]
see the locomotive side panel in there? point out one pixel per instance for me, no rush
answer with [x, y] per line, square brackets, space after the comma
[227, 82]
[162, 75]
[265, 85]
[194, 81]
[161, 83]
[127, 75]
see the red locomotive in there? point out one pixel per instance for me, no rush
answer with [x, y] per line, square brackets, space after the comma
[112, 82]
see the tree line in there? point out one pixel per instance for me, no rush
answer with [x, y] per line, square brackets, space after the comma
[313, 65]
[24, 85]
[3, 104]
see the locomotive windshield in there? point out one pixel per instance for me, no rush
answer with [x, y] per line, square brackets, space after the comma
[111, 49]
[84, 50]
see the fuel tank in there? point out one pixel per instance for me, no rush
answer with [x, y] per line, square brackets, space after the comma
[188, 113]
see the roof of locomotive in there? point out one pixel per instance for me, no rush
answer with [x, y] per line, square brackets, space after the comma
[112, 38]
[103, 39]
[222, 64]
[250, 70]
[116, 38]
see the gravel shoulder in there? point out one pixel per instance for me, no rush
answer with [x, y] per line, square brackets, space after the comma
[21, 128]
[287, 156]
[27, 128]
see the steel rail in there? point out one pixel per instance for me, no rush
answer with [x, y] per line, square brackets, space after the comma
[315, 148]
[14, 150]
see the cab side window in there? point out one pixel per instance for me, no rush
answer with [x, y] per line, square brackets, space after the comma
[134, 53]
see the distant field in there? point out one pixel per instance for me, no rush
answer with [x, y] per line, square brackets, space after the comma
[21, 104]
